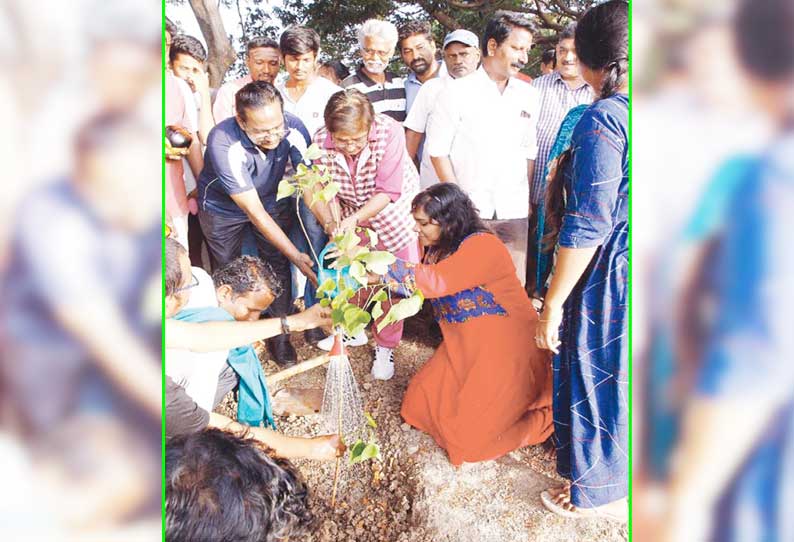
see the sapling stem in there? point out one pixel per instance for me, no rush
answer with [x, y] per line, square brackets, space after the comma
[303, 227]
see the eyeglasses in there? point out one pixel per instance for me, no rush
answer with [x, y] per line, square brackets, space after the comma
[275, 133]
[193, 283]
[375, 52]
[347, 143]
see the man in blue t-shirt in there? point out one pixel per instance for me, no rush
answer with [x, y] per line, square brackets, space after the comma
[245, 160]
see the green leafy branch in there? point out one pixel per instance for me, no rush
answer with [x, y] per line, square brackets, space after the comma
[362, 262]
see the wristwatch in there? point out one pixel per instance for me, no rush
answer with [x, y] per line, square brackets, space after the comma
[284, 325]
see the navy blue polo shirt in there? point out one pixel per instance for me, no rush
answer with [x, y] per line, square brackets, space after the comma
[234, 164]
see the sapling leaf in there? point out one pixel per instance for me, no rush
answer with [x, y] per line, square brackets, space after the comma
[377, 310]
[338, 302]
[313, 152]
[285, 189]
[338, 316]
[347, 241]
[325, 302]
[356, 329]
[330, 190]
[327, 286]
[356, 450]
[380, 296]
[378, 261]
[302, 169]
[403, 309]
[373, 237]
[358, 272]
[340, 262]
[358, 253]
[351, 315]
[371, 451]
[370, 420]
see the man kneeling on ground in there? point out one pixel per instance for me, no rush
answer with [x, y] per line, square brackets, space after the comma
[197, 382]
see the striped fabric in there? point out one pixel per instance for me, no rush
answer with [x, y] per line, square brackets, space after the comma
[394, 224]
[556, 99]
[387, 98]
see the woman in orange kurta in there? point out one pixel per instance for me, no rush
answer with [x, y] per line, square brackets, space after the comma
[487, 389]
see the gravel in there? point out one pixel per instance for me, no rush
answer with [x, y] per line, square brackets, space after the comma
[413, 493]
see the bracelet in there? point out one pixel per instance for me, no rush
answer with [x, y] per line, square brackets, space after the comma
[284, 325]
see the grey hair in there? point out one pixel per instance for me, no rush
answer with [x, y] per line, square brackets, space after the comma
[381, 29]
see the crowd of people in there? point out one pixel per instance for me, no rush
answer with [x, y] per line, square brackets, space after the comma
[504, 201]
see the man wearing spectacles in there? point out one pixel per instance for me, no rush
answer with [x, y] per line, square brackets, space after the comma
[386, 91]
[246, 159]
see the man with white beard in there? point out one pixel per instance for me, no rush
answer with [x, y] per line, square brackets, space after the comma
[384, 89]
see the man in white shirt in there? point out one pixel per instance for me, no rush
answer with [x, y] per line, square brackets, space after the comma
[305, 95]
[461, 53]
[482, 135]
[263, 60]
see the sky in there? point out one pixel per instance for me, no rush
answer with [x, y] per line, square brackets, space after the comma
[183, 16]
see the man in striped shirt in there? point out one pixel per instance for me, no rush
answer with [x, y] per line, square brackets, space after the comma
[560, 91]
[386, 91]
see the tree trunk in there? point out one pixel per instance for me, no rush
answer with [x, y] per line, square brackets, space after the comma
[220, 54]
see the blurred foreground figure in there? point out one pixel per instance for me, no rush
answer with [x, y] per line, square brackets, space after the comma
[220, 486]
[730, 469]
[80, 357]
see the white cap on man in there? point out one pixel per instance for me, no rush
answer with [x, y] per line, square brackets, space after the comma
[466, 37]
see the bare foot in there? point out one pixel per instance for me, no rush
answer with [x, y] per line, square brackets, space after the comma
[324, 448]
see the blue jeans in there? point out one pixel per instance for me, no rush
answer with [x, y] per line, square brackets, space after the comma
[318, 240]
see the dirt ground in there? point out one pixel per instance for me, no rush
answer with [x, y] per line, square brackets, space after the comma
[413, 494]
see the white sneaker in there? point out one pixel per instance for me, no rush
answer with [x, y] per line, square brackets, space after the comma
[383, 366]
[328, 343]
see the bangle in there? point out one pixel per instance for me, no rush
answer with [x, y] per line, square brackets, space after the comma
[284, 325]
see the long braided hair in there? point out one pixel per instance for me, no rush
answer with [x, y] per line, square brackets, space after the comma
[602, 43]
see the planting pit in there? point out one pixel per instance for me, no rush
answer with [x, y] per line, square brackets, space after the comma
[413, 494]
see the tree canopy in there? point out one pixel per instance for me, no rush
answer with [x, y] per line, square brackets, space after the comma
[336, 20]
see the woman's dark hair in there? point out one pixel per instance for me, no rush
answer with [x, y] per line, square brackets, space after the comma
[187, 45]
[299, 40]
[173, 272]
[256, 94]
[247, 274]
[501, 25]
[454, 211]
[338, 68]
[555, 203]
[220, 486]
[348, 110]
[765, 38]
[549, 57]
[602, 43]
